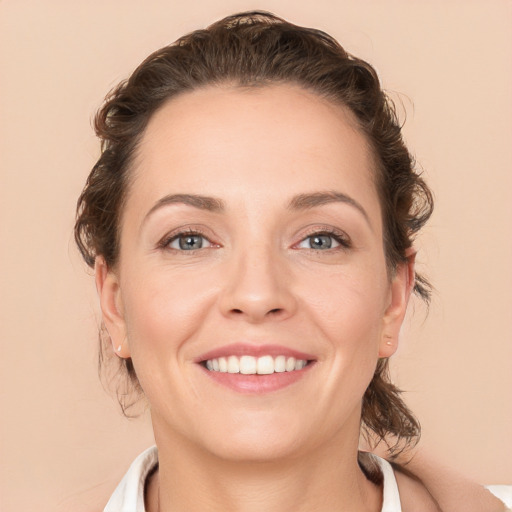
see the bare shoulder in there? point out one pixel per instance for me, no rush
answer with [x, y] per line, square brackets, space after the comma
[414, 496]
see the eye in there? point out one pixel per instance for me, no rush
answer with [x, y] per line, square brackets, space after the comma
[323, 241]
[188, 242]
[319, 242]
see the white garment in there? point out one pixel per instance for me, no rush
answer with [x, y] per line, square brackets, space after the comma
[129, 494]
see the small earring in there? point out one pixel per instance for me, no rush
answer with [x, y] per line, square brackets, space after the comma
[119, 348]
[389, 342]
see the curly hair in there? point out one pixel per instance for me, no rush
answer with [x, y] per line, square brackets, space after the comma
[255, 49]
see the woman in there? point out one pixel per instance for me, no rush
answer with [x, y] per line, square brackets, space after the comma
[251, 223]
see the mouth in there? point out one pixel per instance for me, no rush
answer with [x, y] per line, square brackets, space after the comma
[250, 365]
[256, 369]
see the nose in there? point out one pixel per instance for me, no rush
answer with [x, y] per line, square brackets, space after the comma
[257, 287]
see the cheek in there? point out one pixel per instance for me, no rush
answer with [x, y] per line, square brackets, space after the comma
[163, 311]
[348, 305]
[349, 313]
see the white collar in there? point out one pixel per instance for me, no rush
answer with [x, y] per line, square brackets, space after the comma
[129, 494]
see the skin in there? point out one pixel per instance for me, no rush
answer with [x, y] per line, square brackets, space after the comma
[439, 487]
[257, 279]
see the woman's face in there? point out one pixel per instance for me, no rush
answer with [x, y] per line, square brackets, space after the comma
[251, 235]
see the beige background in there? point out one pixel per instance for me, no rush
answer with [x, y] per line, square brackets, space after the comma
[64, 444]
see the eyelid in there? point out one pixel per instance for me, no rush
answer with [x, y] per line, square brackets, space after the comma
[339, 235]
[184, 231]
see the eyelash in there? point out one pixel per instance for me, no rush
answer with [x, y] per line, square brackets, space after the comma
[167, 240]
[339, 236]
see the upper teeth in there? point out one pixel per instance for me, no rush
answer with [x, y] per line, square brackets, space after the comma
[250, 365]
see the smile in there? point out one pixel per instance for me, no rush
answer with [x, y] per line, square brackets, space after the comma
[250, 365]
[255, 368]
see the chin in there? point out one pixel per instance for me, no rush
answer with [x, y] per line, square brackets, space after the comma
[257, 447]
[262, 437]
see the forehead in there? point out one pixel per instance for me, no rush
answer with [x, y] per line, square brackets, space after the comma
[269, 142]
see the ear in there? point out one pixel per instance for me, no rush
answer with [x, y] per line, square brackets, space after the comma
[402, 285]
[109, 292]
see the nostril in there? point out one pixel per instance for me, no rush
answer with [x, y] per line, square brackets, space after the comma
[274, 311]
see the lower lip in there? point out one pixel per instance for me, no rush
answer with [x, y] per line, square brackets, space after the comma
[257, 384]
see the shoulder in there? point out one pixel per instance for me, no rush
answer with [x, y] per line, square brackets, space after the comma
[450, 494]
[414, 496]
[503, 492]
[401, 492]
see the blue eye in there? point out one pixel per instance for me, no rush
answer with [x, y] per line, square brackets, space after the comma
[325, 240]
[320, 241]
[188, 242]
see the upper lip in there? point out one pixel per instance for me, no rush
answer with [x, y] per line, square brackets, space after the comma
[247, 349]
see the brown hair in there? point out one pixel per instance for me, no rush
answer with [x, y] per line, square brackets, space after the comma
[255, 49]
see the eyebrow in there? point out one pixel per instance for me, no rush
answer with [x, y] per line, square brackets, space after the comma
[210, 204]
[298, 202]
[308, 201]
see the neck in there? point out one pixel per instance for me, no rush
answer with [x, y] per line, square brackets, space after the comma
[191, 480]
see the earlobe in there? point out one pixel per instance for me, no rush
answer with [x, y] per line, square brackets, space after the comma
[401, 289]
[109, 293]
